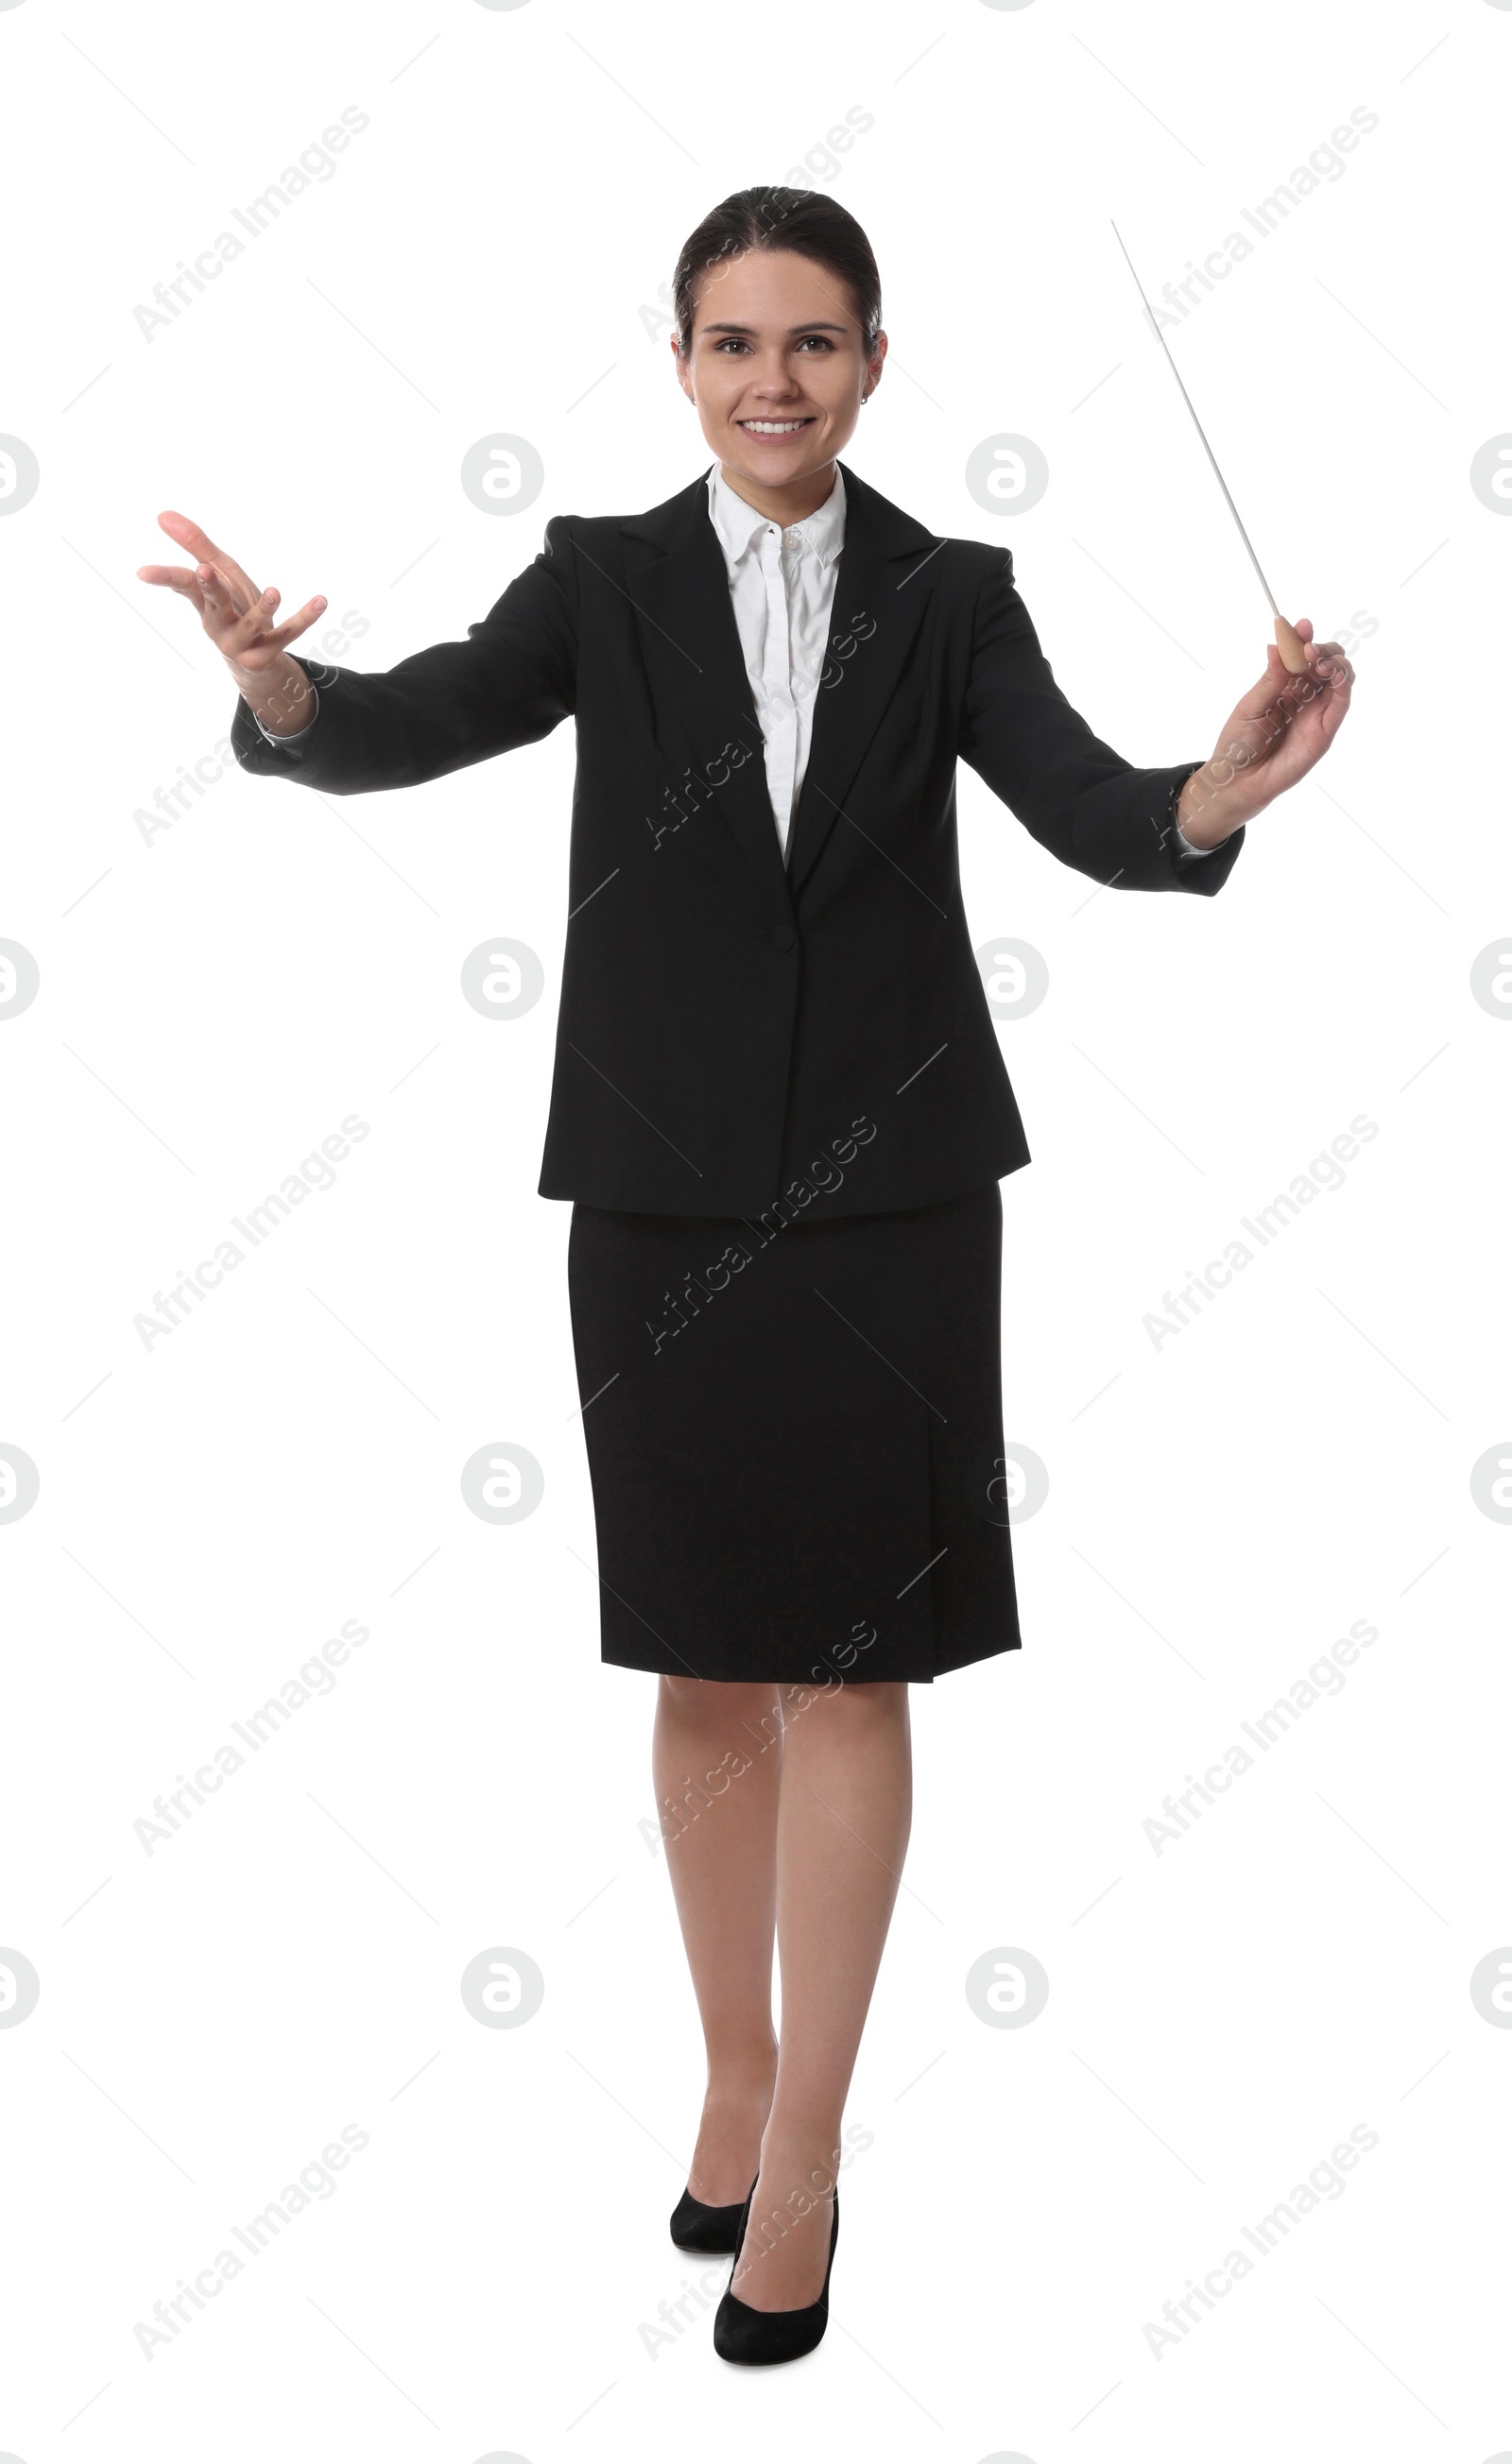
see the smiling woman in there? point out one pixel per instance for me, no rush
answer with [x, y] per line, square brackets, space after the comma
[797, 1471]
[778, 424]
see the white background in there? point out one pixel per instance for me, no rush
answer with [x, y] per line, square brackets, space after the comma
[216, 999]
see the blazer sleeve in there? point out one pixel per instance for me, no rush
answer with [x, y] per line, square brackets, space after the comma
[1078, 798]
[511, 682]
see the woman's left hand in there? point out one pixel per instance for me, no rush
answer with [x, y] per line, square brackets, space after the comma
[1271, 739]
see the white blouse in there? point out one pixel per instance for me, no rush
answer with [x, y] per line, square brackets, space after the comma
[782, 590]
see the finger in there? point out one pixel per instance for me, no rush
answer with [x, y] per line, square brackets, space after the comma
[1267, 690]
[249, 628]
[173, 576]
[227, 586]
[202, 547]
[188, 535]
[1324, 697]
[1324, 660]
[257, 631]
[1304, 628]
[1299, 692]
[290, 632]
[1340, 683]
[227, 620]
[1329, 676]
[1328, 658]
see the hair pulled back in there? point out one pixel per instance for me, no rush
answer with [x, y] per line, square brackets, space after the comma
[805, 220]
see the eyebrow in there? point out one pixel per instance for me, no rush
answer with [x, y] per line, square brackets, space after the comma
[811, 325]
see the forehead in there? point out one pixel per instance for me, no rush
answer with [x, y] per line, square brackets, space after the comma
[772, 289]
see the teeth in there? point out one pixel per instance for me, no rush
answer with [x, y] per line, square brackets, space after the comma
[773, 426]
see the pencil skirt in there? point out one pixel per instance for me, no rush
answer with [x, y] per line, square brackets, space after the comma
[794, 1436]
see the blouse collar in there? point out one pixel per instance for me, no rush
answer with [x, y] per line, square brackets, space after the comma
[821, 534]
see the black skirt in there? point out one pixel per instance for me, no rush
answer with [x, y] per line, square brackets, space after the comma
[794, 1435]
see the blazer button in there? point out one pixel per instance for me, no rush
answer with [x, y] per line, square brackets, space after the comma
[783, 938]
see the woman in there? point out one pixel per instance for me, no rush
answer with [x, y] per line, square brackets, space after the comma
[780, 1114]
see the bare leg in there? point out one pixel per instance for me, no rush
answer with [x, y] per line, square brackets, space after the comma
[844, 1816]
[717, 1760]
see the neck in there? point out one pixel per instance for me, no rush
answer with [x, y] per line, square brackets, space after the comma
[793, 503]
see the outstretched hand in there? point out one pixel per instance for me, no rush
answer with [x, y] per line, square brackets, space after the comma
[240, 618]
[1272, 737]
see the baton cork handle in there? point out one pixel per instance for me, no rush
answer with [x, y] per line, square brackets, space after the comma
[1289, 643]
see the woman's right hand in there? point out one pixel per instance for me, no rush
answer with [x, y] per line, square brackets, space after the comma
[241, 621]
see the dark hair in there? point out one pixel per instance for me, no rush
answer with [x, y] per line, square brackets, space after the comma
[804, 220]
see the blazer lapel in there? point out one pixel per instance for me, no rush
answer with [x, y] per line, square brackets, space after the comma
[883, 585]
[700, 695]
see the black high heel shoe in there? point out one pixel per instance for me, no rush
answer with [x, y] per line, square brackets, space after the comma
[709, 2232]
[742, 2334]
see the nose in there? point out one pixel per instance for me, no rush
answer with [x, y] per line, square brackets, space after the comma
[773, 380]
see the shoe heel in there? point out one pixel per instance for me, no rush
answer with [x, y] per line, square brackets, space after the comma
[708, 2233]
[761, 2337]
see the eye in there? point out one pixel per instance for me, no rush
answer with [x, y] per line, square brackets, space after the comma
[730, 343]
[821, 342]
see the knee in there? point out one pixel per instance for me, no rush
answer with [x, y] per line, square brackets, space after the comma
[712, 1702]
[859, 1707]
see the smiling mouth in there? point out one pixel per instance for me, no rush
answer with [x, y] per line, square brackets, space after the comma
[778, 428]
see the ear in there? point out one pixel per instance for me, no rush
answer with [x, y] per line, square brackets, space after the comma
[684, 367]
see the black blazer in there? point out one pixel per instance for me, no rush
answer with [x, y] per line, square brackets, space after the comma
[732, 1029]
